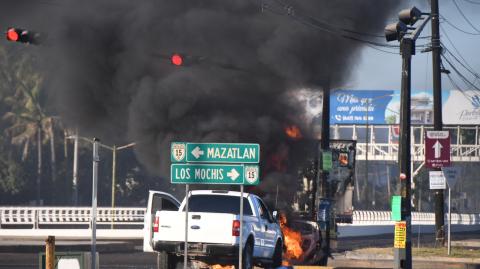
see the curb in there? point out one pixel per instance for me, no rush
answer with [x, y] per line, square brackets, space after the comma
[386, 257]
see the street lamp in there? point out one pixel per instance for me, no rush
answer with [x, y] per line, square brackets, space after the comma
[401, 32]
[114, 150]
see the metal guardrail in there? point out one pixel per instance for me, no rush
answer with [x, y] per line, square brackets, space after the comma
[371, 223]
[36, 216]
[418, 218]
[64, 222]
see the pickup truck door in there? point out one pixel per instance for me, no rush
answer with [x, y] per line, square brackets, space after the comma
[269, 228]
[157, 200]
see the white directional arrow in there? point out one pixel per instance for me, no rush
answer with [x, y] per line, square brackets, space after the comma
[196, 152]
[438, 149]
[233, 174]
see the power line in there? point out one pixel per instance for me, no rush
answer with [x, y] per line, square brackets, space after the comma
[465, 17]
[455, 48]
[457, 86]
[472, 2]
[465, 80]
[329, 28]
[471, 71]
[458, 28]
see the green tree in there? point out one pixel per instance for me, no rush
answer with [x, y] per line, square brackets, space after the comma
[28, 121]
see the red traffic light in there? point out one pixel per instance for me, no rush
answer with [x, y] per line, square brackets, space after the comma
[13, 34]
[343, 159]
[177, 59]
[23, 36]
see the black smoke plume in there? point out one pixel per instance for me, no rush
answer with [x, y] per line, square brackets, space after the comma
[109, 73]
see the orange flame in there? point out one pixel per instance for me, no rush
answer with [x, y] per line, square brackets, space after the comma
[218, 266]
[293, 241]
[293, 131]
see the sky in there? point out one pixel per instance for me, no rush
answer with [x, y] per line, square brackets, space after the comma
[379, 70]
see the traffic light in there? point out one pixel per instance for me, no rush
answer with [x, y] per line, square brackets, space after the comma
[182, 59]
[343, 159]
[177, 59]
[21, 35]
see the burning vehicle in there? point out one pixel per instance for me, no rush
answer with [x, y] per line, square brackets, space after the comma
[302, 241]
[304, 215]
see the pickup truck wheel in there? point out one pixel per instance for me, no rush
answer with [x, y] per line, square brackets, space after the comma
[166, 261]
[247, 262]
[277, 255]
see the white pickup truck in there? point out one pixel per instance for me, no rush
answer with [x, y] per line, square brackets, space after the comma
[214, 230]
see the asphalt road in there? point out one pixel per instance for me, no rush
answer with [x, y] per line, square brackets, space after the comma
[133, 260]
[107, 260]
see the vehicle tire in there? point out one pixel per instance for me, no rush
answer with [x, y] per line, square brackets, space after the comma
[247, 259]
[166, 261]
[277, 255]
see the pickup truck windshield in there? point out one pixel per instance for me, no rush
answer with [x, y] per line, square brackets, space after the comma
[218, 204]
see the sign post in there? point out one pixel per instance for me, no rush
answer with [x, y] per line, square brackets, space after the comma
[214, 163]
[451, 175]
[185, 245]
[240, 240]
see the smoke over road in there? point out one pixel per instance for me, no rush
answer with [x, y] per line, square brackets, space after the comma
[108, 71]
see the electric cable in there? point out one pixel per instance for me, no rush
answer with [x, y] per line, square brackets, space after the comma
[329, 28]
[465, 17]
[458, 28]
[464, 79]
[455, 48]
[476, 75]
[472, 2]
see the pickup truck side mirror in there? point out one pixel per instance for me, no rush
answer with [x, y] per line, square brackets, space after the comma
[275, 215]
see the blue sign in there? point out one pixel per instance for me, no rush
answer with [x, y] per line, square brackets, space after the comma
[360, 107]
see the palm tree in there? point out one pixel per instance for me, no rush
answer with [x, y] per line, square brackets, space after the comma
[27, 117]
[28, 122]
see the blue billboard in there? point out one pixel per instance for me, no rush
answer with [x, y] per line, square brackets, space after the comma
[361, 107]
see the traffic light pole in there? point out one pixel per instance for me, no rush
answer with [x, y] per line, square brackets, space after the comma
[437, 115]
[324, 190]
[403, 255]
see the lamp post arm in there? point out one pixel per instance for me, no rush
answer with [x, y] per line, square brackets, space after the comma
[414, 35]
[127, 146]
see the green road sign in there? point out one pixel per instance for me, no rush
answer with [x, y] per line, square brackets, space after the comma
[396, 207]
[236, 174]
[215, 152]
[327, 160]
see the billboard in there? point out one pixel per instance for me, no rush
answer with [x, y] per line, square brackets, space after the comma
[383, 107]
[359, 107]
[462, 107]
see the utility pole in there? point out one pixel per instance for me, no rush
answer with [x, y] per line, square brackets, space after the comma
[403, 229]
[437, 114]
[324, 190]
[96, 160]
[39, 165]
[75, 170]
[114, 173]
[114, 176]
[403, 256]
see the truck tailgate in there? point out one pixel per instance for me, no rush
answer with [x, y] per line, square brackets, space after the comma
[203, 227]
